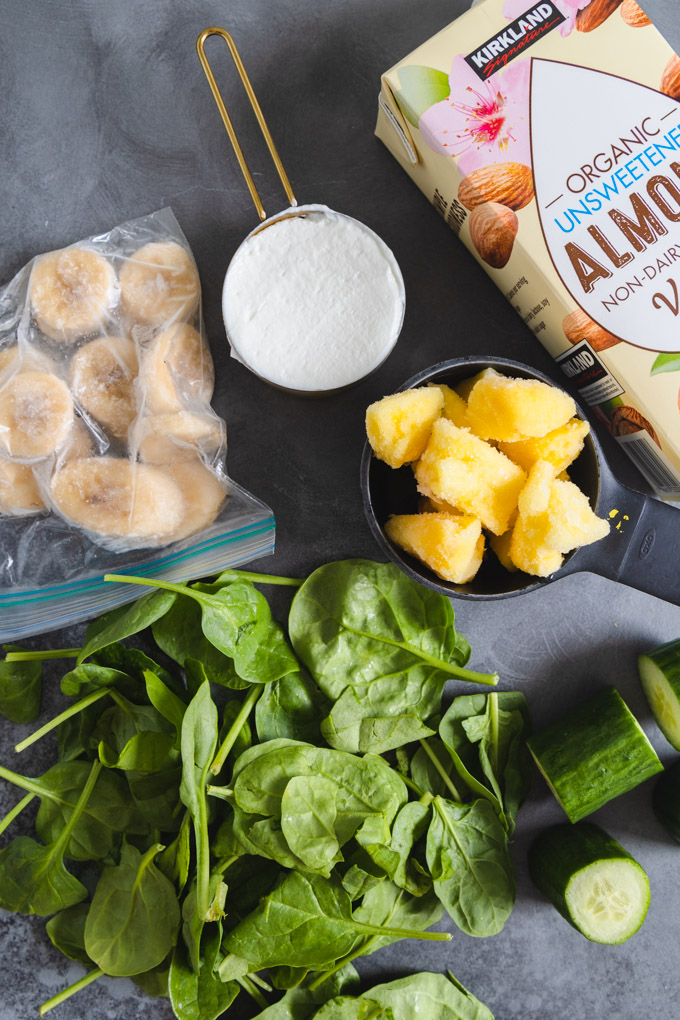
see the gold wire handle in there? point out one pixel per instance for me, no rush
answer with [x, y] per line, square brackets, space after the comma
[283, 177]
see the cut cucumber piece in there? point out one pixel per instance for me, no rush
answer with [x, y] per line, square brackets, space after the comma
[660, 678]
[594, 753]
[593, 882]
[666, 800]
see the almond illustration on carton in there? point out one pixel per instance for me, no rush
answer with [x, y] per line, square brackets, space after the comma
[578, 326]
[633, 15]
[626, 420]
[510, 184]
[670, 79]
[493, 228]
[595, 14]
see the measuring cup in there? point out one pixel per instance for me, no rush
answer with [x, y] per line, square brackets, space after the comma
[641, 550]
[339, 322]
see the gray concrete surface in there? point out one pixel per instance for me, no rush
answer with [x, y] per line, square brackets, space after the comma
[106, 115]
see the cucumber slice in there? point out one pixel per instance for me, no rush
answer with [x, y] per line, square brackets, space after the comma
[594, 753]
[660, 678]
[666, 800]
[594, 883]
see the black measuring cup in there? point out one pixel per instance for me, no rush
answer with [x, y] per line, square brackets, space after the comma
[641, 550]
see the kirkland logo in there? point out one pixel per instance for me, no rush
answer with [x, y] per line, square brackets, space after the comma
[503, 47]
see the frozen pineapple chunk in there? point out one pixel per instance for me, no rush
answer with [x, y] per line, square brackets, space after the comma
[469, 474]
[455, 408]
[464, 388]
[398, 427]
[528, 548]
[560, 447]
[501, 546]
[507, 409]
[529, 552]
[452, 547]
[572, 522]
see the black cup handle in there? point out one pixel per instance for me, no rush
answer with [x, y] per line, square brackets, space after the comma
[643, 548]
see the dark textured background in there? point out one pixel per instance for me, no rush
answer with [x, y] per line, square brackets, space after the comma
[105, 116]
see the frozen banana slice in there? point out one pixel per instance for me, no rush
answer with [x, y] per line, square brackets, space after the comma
[118, 498]
[72, 292]
[177, 364]
[36, 414]
[166, 438]
[102, 379]
[159, 283]
[203, 495]
[19, 492]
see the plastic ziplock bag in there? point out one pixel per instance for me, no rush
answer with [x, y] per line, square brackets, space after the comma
[111, 457]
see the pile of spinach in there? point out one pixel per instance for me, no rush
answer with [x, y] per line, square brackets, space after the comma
[262, 809]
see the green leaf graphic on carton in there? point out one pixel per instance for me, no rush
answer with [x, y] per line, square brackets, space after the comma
[421, 88]
[669, 362]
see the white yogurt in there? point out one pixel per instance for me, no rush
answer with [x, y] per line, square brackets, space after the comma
[313, 302]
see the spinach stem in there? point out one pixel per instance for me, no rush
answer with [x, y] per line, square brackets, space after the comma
[89, 699]
[223, 792]
[253, 991]
[411, 785]
[493, 717]
[446, 778]
[62, 996]
[247, 575]
[257, 980]
[16, 810]
[54, 653]
[235, 728]
[202, 855]
[404, 933]
[64, 836]
[147, 582]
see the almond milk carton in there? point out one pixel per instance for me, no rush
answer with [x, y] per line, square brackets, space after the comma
[547, 135]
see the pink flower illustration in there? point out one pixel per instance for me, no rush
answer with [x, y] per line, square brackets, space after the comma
[482, 122]
[515, 9]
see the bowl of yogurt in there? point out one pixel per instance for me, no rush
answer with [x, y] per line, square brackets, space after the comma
[313, 301]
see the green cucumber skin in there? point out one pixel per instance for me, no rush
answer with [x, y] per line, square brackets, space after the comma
[561, 851]
[666, 658]
[594, 753]
[666, 800]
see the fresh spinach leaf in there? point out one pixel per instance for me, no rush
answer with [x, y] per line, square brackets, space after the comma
[381, 647]
[136, 663]
[107, 812]
[200, 995]
[180, 635]
[156, 797]
[133, 922]
[67, 932]
[398, 858]
[20, 690]
[485, 736]
[386, 905]
[306, 922]
[429, 995]
[291, 707]
[124, 621]
[237, 620]
[90, 676]
[33, 878]
[308, 816]
[198, 745]
[302, 1001]
[467, 855]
